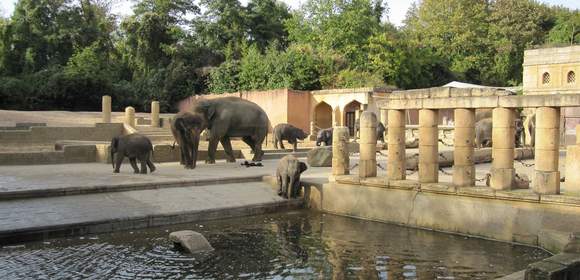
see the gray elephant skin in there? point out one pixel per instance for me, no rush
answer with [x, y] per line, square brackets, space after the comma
[483, 133]
[135, 147]
[380, 130]
[288, 176]
[289, 133]
[224, 118]
[324, 136]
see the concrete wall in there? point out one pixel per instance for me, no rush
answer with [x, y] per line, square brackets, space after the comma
[273, 102]
[523, 218]
[298, 109]
[49, 135]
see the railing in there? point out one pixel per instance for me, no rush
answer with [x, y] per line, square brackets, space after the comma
[464, 102]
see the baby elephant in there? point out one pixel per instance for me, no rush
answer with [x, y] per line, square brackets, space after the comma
[288, 176]
[289, 133]
[134, 146]
[324, 136]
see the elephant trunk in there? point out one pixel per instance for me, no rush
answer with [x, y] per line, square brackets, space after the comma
[195, 147]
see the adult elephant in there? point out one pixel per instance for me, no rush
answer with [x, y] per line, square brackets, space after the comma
[223, 118]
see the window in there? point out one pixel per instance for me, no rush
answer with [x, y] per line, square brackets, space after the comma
[571, 77]
[546, 78]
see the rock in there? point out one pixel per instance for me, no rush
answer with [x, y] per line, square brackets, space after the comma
[412, 143]
[320, 157]
[190, 241]
[521, 181]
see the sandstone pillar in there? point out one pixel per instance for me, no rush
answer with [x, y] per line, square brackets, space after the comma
[573, 165]
[336, 117]
[502, 153]
[463, 165]
[106, 105]
[155, 114]
[313, 128]
[357, 114]
[547, 151]
[130, 116]
[396, 145]
[384, 116]
[340, 157]
[368, 145]
[428, 146]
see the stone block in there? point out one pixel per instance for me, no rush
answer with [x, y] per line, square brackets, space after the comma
[548, 138]
[396, 118]
[381, 181]
[428, 154]
[439, 188]
[503, 117]
[502, 158]
[547, 117]
[464, 137]
[348, 179]
[396, 136]
[464, 117]
[367, 168]
[547, 160]
[428, 136]
[460, 92]
[464, 176]
[319, 157]
[463, 156]
[402, 104]
[484, 192]
[547, 182]
[502, 178]
[440, 92]
[518, 195]
[503, 138]
[428, 172]
[191, 241]
[404, 184]
[573, 169]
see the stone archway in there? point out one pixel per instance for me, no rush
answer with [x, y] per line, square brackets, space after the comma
[351, 113]
[323, 115]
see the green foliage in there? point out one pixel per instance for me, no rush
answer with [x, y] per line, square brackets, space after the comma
[66, 54]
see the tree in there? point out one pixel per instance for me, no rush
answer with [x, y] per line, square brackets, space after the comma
[566, 28]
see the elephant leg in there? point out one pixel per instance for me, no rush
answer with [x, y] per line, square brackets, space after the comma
[284, 186]
[250, 142]
[295, 145]
[211, 151]
[282, 144]
[143, 165]
[290, 191]
[296, 187]
[227, 144]
[118, 162]
[150, 164]
[279, 182]
[134, 165]
[258, 153]
[276, 143]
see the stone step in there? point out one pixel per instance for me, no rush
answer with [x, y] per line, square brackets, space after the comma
[272, 154]
[37, 218]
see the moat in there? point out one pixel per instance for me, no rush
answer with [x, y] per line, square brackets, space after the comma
[298, 244]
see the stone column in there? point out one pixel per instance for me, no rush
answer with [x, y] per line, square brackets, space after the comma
[573, 165]
[396, 145]
[502, 153]
[547, 151]
[384, 116]
[312, 128]
[428, 146]
[368, 145]
[106, 104]
[336, 117]
[357, 114]
[130, 116]
[463, 165]
[155, 114]
[340, 157]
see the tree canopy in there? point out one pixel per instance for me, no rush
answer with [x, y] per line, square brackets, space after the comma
[65, 54]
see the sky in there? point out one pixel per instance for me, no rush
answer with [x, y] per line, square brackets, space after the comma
[397, 8]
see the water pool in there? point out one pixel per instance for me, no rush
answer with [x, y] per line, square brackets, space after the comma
[291, 245]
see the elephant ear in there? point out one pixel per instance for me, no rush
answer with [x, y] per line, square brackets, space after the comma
[302, 166]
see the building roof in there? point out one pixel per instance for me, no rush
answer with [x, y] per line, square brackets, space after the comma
[456, 84]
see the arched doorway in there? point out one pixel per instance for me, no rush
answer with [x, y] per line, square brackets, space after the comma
[323, 115]
[350, 115]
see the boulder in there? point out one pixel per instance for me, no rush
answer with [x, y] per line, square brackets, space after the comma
[190, 241]
[320, 157]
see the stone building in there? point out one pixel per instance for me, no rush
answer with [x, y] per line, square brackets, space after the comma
[555, 71]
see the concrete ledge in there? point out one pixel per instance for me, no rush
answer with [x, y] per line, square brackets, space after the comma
[103, 226]
[516, 216]
[12, 195]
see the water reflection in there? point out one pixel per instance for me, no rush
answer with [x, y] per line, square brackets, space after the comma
[298, 245]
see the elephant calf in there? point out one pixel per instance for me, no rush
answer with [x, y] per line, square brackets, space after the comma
[289, 133]
[288, 176]
[134, 146]
[324, 136]
[483, 133]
